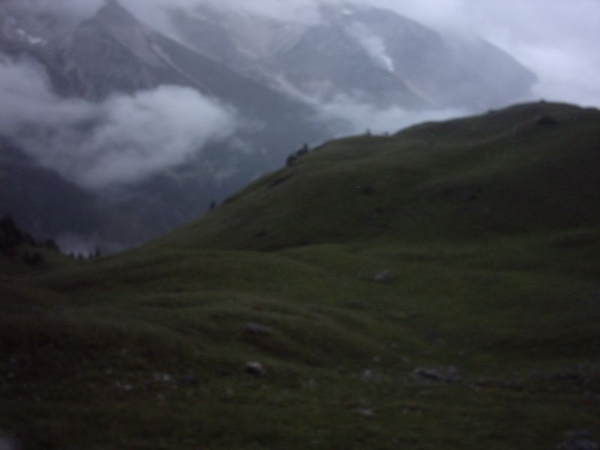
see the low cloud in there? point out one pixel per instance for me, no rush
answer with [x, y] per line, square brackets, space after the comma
[556, 39]
[121, 140]
[361, 116]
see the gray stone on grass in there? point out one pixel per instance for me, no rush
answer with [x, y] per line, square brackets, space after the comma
[255, 329]
[255, 369]
[448, 375]
[384, 276]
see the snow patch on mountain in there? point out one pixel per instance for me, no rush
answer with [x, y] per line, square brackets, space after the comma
[32, 40]
[373, 44]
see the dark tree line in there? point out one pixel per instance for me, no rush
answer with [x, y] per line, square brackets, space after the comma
[13, 239]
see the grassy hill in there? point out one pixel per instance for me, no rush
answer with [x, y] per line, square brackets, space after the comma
[435, 289]
[527, 169]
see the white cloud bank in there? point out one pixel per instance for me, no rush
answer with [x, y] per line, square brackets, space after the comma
[122, 140]
[363, 116]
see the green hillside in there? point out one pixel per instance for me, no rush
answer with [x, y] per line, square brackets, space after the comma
[502, 174]
[435, 289]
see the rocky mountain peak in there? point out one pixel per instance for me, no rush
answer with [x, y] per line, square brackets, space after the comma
[113, 13]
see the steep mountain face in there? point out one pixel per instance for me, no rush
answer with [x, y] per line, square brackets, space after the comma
[41, 201]
[272, 75]
[374, 55]
[113, 53]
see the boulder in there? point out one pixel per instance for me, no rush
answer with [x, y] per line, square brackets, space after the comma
[447, 375]
[384, 276]
[255, 369]
[255, 329]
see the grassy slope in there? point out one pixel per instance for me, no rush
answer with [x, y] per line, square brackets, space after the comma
[493, 175]
[492, 236]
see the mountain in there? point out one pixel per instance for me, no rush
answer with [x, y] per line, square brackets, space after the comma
[41, 201]
[438, 288]
[270, 77]
[112, 53]
[369, 53]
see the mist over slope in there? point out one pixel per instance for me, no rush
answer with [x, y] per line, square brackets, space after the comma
[159, 125]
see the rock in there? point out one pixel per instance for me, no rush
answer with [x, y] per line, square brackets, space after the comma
[447, 375]
[385, 276]
[578, 444]
[255, 329]
[255, 369]
[163, 377]
[127, 387]
[366, 412]
[428, 374]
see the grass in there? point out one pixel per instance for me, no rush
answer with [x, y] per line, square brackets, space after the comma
[146, 349]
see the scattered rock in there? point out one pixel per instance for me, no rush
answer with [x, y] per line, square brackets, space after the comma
[127, 387]
[385, 276]
[578, 444]
[447, 375]
[369, 376]
[163, 377]
[366, 412]
[255, 369]
[255, 329]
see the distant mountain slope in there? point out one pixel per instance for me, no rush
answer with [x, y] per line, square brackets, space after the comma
[528, 168]
[41, 201]
[112, 53]
[371, 54]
